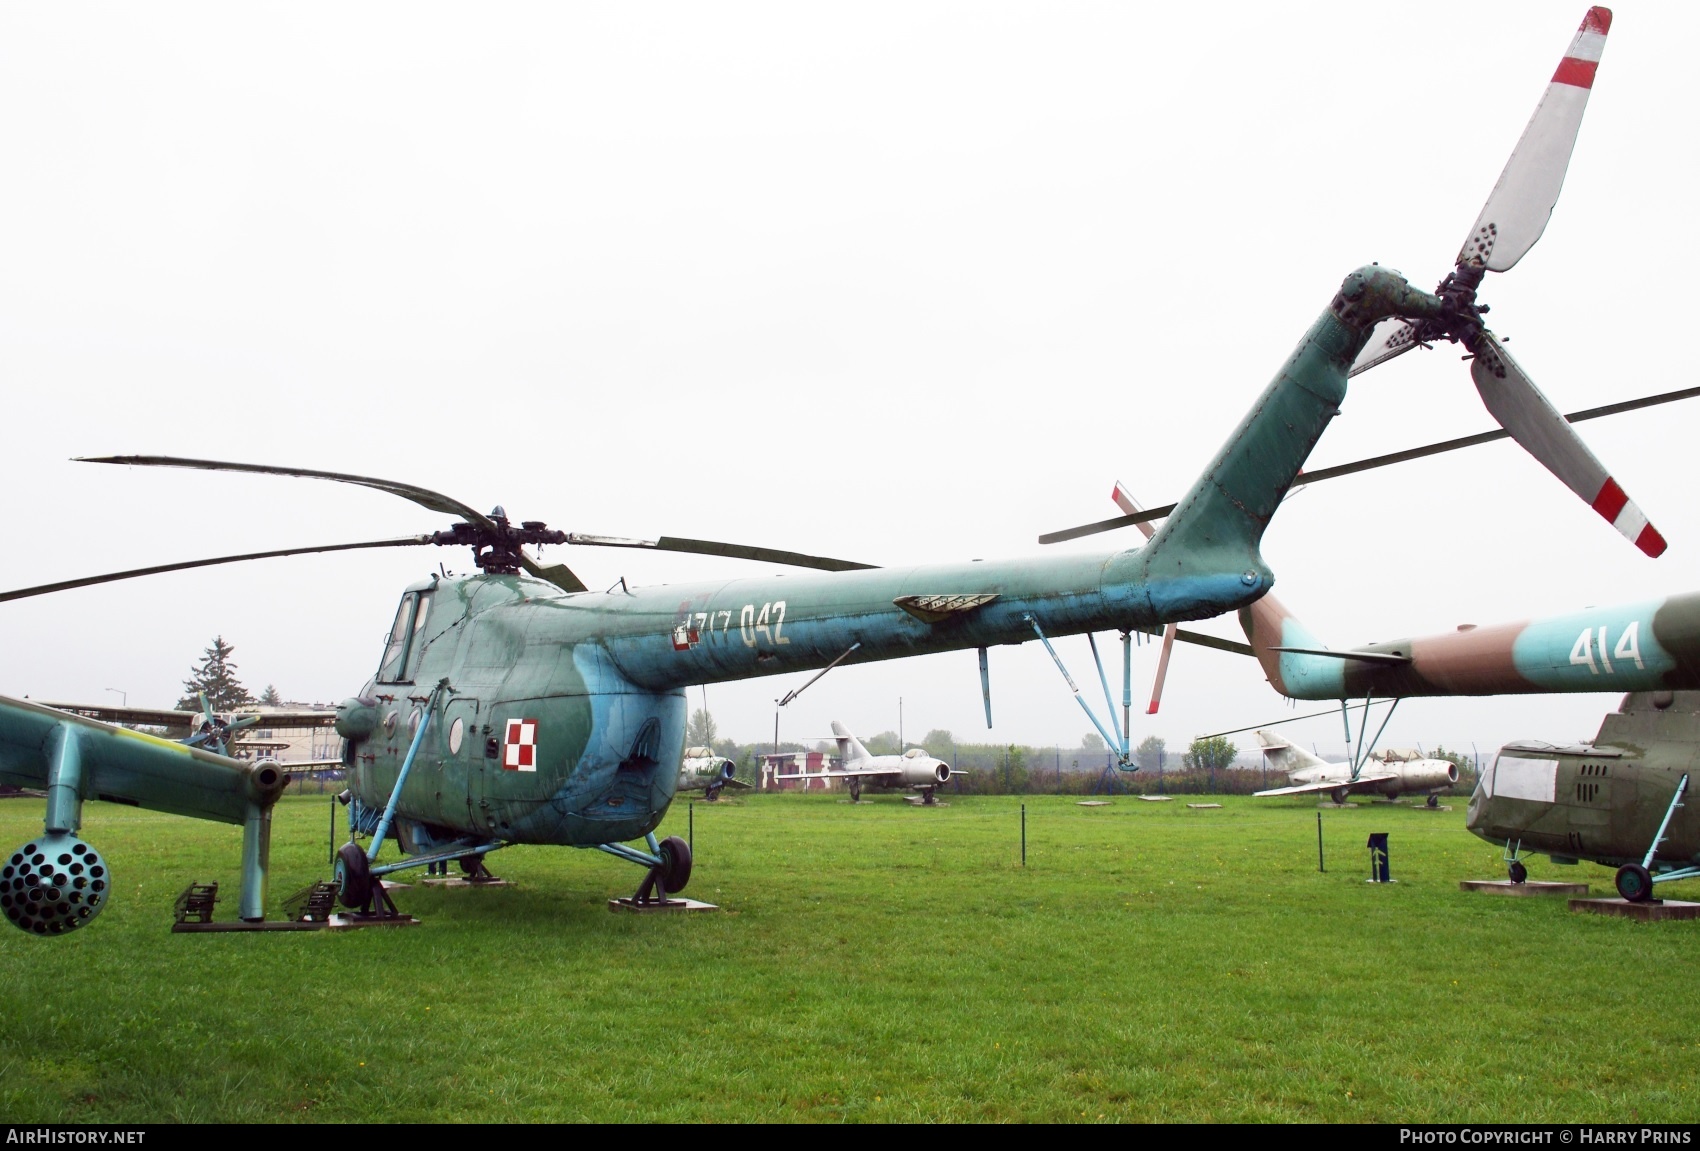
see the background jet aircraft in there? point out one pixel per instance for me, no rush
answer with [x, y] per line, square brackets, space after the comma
[1391, 773]
[702, 770]
[914, 769]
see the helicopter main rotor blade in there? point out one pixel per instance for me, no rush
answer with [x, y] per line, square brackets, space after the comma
[1372, 462]
[1534, 423]
[557, 574]
[424, 497]
[1517, 210]
[715, 548]
[112, 577]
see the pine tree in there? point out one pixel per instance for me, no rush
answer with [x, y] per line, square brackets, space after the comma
[216, 677]
[270, 697]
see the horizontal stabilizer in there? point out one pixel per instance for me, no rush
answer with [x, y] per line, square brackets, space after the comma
[1329, 784]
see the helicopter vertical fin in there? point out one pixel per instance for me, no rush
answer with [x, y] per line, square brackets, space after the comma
[1207, 550]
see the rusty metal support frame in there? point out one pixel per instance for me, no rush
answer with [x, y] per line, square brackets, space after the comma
[1119, 744]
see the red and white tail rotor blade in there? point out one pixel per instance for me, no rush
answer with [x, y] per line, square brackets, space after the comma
[1162, 668]
[1511, 396]
[1392, 337]
[1130, 506]
[1516, 213]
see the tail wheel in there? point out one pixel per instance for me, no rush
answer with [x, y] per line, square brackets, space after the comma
[1517, 871]
[675, 864]
[353, 876]
[1634, 884]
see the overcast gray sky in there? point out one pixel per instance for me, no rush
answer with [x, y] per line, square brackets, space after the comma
[898, 282]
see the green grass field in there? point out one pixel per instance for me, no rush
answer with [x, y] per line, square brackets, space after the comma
[876, 962]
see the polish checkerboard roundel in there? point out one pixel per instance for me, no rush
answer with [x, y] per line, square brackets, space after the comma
[519, 749]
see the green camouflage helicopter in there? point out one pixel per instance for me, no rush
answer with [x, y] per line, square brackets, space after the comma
[515, 706]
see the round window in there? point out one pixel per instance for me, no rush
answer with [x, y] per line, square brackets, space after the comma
[389, 724]
[456, 731]
[413, 722]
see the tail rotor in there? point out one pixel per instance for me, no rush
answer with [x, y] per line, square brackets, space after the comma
[1512, 220]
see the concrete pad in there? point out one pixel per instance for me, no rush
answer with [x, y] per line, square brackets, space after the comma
[627, 904]
[1155, 798]
[1202, 806]
[1330, 804]
[1092, 803]
[1527, 887]
[1653, 911]
[463, 881]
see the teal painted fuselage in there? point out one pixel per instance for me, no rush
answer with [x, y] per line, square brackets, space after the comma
[564, 719]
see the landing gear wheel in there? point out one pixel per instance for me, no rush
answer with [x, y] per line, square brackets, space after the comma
[855, 791]
[1339, 795]
[353, 876]
[1434, 801]
[1634, 884]
[675, 864]
[1517, 871]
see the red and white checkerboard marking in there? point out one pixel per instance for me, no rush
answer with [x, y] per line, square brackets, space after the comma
[519, 749]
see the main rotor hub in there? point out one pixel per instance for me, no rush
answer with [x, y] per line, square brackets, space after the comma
[496, 549]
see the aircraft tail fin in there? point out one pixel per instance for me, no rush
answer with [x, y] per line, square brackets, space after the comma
[850, 749]
[1285, 757]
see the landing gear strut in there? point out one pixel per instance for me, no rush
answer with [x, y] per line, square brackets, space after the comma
[855, 791]
[668, 877]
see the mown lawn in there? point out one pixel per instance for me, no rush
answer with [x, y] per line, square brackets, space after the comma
[871, 962]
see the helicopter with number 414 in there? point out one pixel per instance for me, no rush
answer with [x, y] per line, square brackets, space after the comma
[516, 706]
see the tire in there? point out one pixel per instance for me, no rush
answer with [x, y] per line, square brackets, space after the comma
[1434, 801]
[469, 864]
[1339, 795]
[353, 876]
[1517, 871]
[1634, 884]
[675, 864]
[855, 791]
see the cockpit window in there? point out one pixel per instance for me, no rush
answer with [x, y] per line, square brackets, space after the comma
[395, 652]
[416, 646]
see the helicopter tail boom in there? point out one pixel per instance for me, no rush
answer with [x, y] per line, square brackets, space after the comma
[1205, 559]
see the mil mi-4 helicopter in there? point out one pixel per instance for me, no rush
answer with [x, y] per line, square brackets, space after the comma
[515, 706]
